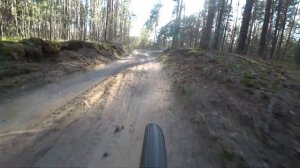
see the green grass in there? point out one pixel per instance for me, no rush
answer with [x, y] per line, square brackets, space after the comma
[249, 80]
[11, 39]
[227, 156]
[289, 65]
[164, 58]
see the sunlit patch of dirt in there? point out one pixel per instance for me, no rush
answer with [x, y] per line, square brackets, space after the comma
[84, 104]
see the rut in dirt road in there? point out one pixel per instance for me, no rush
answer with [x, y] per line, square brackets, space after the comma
[109, 133]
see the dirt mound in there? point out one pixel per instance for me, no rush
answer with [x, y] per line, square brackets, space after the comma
[38, 50]
[107, 50]
[28, 50]
[249, 107]
[18, 58]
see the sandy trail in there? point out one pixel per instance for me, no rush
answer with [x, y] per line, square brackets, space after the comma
[109, 131]
[30, 107]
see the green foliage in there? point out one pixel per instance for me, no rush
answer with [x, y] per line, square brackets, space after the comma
[152, 22]
[145, 41]
[51, 47]
[104, 46]
[57, 19]
[164, 58]
[12, 51]
[11, 39]
[32, 41]
[132, 43]
[248, 80]
[35, 49]
[164, 35]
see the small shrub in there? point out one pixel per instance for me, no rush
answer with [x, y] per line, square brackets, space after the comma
[13, 51]
[50, 48]
[248, 81]
[32, 41]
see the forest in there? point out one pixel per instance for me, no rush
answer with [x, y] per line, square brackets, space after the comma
[81, 79]
[88, 20]
[268, 28]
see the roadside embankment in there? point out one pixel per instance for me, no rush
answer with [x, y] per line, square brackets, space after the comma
[33, 62]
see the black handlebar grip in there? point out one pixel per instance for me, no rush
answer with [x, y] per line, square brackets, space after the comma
[154, 154]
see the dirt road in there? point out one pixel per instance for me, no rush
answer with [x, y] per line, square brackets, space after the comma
[104, 126]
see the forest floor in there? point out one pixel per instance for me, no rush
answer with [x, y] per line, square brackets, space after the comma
[247, 108]
[216, 110]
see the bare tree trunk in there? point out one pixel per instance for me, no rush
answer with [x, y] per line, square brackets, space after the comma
[275, 36]
[219, 25]
[287, 4]
[175, 40]
[297, 55]
[264, 32]
[226, 27]
[290, 32]
[241, 46]
[206, 32]
[232, 39]
[107, 20]
[1, 23]
[252, 26]
[111, 22]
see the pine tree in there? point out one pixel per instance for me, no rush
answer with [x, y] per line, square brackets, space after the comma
[206, 32]
[241, 45]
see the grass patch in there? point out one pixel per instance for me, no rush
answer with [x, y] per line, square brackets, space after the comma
[291, 66]
[32, 41]
[249, 81]
[11, 39]
[188, 91]
[227, 156]
[183, 89]
[11, 51]
[164, 58]
[12, 70]
[231, 159]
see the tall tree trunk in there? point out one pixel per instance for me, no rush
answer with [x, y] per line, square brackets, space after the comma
[297, 55]
[175, 40]
[111, 22]
[86, 19]
[116, 19]
[226, 26]
[1, 23]
[275, 36]
[15, 11]
[232, 38]
[241, 46]
[291, 29]
[219, 25]
[108, 8]
[206, 32]
[264, 32]
[279, 52]
[252, 26]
